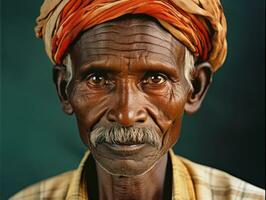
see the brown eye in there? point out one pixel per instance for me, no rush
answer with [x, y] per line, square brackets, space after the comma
[155, 78]
[96, 80]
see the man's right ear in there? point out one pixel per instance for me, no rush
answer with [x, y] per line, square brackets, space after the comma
[60, 81]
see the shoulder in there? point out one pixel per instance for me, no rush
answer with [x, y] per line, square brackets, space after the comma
[54, 188]
[220, 185]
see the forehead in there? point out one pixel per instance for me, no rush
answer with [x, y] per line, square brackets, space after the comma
[128, 41]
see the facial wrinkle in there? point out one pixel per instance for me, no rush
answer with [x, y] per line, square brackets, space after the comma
[123, 57]
[134, 41]
[130, 38]
[111, 44]
[133, 25]
[149, 29]
[124, 35]
[103, 42]
[111, 25]
[114, 49]
[133, 54]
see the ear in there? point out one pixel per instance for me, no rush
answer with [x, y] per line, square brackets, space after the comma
[59, 77]
[202, 79]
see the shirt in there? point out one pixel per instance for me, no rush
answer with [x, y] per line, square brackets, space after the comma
[191, 181]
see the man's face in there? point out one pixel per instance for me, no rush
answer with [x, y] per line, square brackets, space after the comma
[128, 74]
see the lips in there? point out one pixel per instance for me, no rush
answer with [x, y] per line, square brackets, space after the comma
[124, 149]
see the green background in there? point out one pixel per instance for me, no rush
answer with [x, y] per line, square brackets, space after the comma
[39, 141]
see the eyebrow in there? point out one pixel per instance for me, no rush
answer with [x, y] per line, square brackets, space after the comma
[96, 66]
[168, 69]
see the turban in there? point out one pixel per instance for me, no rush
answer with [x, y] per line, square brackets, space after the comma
[200, 25]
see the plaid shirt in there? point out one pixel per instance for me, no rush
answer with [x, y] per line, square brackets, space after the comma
[191, 181]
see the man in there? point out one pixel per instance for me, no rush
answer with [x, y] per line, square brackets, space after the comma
[128, 70]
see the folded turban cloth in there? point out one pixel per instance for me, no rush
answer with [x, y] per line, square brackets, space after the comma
[198, 24]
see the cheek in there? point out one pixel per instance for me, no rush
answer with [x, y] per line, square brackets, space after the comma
[170, 108]
[174, 102]
[169, 105]
[88, 107]
[172, 135]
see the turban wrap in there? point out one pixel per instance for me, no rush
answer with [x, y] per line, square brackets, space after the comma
[198, 24]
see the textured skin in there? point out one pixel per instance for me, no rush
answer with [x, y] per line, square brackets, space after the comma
[130, 72]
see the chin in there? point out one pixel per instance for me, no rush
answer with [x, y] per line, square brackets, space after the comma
[126, 162]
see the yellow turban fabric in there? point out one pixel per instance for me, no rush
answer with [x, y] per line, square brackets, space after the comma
[198, 24]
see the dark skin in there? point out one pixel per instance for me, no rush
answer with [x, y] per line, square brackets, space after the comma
[131, 72]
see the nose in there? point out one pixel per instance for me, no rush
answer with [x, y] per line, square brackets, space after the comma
[128, 109]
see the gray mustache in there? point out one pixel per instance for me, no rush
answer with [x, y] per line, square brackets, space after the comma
[125, 136]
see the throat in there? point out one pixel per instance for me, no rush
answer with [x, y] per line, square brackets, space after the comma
[155, 184]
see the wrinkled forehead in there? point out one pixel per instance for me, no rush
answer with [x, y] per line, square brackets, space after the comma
[142, 24]
[131, 37]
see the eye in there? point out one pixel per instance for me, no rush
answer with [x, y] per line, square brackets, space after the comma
[155, 78]
[97, 79]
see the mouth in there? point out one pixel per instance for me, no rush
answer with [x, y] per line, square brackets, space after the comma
[124, 149]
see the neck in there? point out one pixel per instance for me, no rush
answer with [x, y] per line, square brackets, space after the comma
[142, 187]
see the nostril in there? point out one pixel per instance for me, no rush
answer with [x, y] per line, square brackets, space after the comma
[141, 120]
[111, 116]
[141, 116]
[111, 120]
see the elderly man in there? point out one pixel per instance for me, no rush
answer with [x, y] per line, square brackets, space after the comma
[128, 70]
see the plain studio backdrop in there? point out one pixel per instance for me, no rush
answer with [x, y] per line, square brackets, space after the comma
[39, 141]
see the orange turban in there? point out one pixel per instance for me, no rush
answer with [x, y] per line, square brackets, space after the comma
[199, 24]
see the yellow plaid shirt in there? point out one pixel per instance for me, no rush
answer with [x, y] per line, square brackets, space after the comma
[191, 181]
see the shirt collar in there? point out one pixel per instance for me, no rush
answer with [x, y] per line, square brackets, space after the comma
[182, 186]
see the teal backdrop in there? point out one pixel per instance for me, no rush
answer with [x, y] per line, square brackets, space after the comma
[39, 141]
